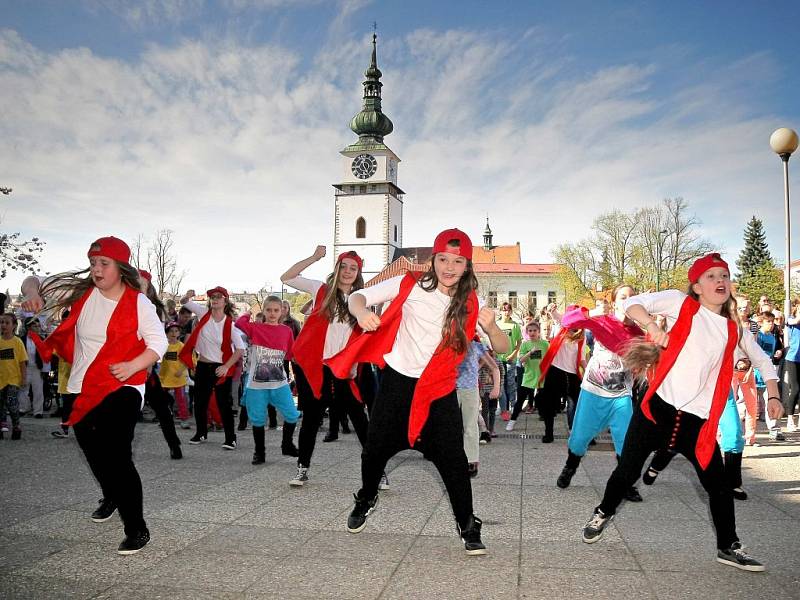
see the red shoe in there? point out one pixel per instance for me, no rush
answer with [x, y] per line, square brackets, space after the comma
[505, 415]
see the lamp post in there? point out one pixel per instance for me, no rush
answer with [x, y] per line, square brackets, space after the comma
[783, 142]
[659, 248]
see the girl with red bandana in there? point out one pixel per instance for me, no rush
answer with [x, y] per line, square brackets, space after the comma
[419, 341]
[324, 333]
[111, 336]
[689, 378]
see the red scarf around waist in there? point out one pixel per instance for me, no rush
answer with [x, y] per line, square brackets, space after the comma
[122, 345]
[707, 439]
[227, 351]
[310, 346]
[552, 352]
[438, 378]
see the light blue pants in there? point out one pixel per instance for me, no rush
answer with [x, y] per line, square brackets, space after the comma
[730, 428]
[596, 413]
[256, 402]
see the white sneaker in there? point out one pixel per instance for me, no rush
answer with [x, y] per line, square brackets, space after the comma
[300, 477]
[510, 425]
[790, 426]
[384, 484]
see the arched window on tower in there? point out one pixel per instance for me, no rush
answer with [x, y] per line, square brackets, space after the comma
[361, 228]
[395, 233]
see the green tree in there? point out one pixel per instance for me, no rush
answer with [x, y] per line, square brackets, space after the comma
[755, 253]
[765, 280]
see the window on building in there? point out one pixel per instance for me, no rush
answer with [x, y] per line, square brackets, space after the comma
[491, 301]
[395, 233]
[352, 189]
[362, 189]
[361, 228]
[551, 297]
[373, 188]
[532, 302]
[512, 300]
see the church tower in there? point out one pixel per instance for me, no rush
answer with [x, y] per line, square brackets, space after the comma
[369, 205]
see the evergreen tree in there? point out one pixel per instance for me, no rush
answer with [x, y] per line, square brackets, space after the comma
[755, 253]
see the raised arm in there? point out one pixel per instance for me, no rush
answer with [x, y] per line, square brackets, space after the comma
[299, 267]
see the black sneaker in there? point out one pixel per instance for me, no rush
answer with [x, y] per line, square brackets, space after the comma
[649, 476]
[593, 530]
[358, 517]
[739, 494]
[547, 438]
[229, 445]
[290, 450]
[471, 536]
[633, 495]
[331, 437]
[565, 478]
[735, 556]
[198, 439]
[258, 459]
[133, 543]
[175, 453]
[104, 512]
[59, 433]
[485, 438]
[384, 483]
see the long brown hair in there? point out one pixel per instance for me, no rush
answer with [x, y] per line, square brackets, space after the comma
[152, 295]
[334, 304]
[64, 289]
[642, 356]
[230, 309]
[454, 327]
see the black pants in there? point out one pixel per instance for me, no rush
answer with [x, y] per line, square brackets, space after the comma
[205, 380]
[105, 435]
[523, 394]
[791, 386]
[160, 401]
[676, 431]
[488, 410]
[557, 385]
[333, 390]
[442, 440]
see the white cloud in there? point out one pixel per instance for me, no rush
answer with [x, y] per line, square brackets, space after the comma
[143, 13]
[235, 147]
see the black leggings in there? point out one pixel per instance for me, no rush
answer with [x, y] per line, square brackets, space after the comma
[105, 435]
[558, 384]
[205, 380]
[644, 437]
[442, 440]
[791, 386]
[160, 402]
[523, 393]
[334, 390]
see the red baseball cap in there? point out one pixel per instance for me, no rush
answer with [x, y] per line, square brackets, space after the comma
[701, 265]
[218, 290]
[146, 274]
[464, 243]
[111, 247]
[352, 255]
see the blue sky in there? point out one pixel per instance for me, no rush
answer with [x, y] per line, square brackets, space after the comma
[223, 120]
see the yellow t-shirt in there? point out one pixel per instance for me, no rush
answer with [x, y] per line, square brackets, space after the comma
[172, 372]
[12, 352]
[63, 375]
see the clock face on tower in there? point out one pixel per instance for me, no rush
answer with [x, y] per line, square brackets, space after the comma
[364, 166]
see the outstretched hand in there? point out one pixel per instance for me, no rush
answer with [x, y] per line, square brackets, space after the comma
[320, 252]
[486, 318]
[33, 304]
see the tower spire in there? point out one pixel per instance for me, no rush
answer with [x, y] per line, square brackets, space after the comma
[370, 124]
[487, 236]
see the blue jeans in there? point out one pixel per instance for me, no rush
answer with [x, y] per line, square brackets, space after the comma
[508, 392]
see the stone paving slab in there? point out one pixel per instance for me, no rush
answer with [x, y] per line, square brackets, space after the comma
[222, 528]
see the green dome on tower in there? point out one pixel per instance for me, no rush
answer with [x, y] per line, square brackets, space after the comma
[370, 124]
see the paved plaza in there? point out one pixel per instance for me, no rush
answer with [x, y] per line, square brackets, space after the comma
[224, 529]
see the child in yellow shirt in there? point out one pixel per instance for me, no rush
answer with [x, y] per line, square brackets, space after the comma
[13, 373]
[173, 374]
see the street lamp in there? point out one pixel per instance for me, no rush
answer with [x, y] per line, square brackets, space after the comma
[783, 142]
[659, 249]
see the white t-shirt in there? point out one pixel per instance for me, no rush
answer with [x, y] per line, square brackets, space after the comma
[338, 332]
[209, 341]
[90, 334]
[690, 384]
[420, 331]
[606, 375]
[567, 357]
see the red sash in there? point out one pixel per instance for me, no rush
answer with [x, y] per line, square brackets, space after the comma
[438, 378]
[707, 439]
[552, 352]
[122, 345]
[188, 348]
[310, 346]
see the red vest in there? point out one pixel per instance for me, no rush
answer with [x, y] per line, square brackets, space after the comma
[310, 346]
[122, 345]
[552, 352]
[188, 348]
[439, 377]
[707, 440]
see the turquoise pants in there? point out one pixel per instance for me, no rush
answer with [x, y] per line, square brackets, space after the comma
[596, 413]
